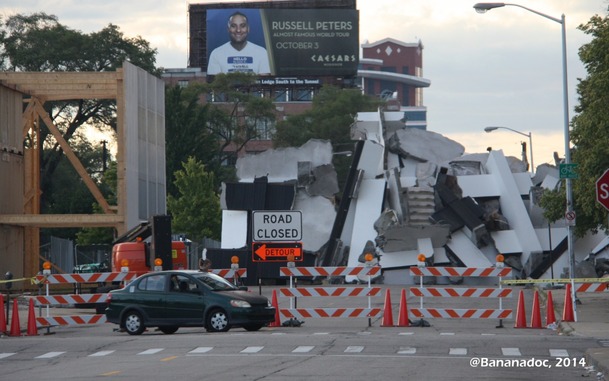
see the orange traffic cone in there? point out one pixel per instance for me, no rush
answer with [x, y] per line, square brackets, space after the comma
[567, 312]
[521, 319]
[15, 326]
[403, 311]
[536, 314]
[32, 330]
[550, 317]
[277, 322]
[2, 316]
[387, 312]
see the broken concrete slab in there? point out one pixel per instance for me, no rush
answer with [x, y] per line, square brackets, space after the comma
[423, 145]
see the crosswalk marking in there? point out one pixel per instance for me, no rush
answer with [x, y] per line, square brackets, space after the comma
[457, 351]
[49, 355]
[511, 352]
[559, 353]
[354, 349]
[100, 353]
[252, 350]
[303, 349]
[151, 351]
[407, 351]
[201, 350]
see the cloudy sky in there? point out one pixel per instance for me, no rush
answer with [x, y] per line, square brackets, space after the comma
[502, 68]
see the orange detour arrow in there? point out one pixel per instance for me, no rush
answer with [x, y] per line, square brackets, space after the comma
[283, 251]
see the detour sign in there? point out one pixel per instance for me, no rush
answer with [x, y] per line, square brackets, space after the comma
[277, 252]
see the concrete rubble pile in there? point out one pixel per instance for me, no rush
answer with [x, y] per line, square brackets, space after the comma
[417, 192]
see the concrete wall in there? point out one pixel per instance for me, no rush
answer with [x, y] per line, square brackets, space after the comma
[144, 145]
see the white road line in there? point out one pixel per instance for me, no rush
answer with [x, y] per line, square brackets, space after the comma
[151, 351]
[201, 350]
[5, 355]
[407, 351]
[406, 333]
[252, 350]
[447, 334]
[457, 351]
[354, 349]
[303, 349]
[559, 353]
[100, 353]
[511, 352]
[49, 355]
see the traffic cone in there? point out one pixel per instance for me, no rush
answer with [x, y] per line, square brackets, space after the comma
[277, 322]
[15, 326]
[550, 317]
[2, 316]
[567, 312]
[403, 311]
[32, 330]
[387, 312]
[536, 314]
[521, 319]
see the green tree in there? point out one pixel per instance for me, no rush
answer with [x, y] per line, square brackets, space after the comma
[186, 133]
[196, 211]
[589, 134]
[38, 42]
[330, 118]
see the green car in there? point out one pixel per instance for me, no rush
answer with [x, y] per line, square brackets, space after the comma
[186, 298]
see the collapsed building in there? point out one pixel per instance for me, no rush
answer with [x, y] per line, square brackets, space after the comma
[408, 192]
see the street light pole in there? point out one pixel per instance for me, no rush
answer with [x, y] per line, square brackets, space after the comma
[529, 135]
[482, 8]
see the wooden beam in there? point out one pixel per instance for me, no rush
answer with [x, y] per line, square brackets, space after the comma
[61, 220]
[80, 169]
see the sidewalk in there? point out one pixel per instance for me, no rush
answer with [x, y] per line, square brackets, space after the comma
[592, 315]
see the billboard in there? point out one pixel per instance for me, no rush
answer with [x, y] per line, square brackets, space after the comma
[283, 42]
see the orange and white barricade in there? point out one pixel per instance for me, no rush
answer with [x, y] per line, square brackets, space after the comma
[461, 292]
[358, 312]
[74, 299]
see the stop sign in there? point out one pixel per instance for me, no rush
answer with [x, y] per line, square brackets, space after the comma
[602, 189]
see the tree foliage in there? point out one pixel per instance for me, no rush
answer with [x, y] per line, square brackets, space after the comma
[196, 211]
[186, 134]
[38, 42]
[589, 134]
[330, 118]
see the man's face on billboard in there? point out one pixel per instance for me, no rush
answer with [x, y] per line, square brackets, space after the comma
[238, 29]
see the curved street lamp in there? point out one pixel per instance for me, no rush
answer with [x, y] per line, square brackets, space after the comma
[484, 7]
[529, 135]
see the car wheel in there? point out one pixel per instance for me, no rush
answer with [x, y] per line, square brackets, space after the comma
[168, 330]
[252, 327]
[133, 323]
[217, 321]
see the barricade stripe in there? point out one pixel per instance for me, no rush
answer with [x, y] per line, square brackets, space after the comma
[461, 292]
[461, 313]
[592, 287]
[330, 312]
[329, 271]
[329, 291]
[461, 271]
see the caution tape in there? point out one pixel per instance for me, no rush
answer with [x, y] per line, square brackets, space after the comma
[574, 280]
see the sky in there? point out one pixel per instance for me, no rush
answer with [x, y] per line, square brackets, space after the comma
[502, 68]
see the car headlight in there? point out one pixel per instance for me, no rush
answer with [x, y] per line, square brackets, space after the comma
[240, 303]
[268, 303]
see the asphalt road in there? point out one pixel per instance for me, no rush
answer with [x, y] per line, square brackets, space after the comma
[332, 348]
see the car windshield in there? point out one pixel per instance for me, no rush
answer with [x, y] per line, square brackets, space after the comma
[215, 282]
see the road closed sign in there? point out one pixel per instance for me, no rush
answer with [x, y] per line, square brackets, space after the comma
[269, 226]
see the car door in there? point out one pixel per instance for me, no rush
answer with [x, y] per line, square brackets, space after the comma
[185, 303]
[150, 296]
